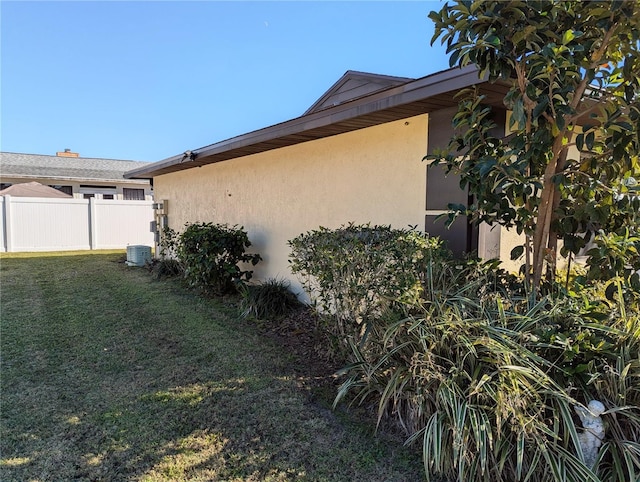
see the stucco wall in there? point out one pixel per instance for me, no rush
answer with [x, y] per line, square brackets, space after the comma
[509, 238]
[371, 175]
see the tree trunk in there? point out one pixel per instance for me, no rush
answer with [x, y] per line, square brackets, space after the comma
[552, 242]
[543, 225]
[544, 237]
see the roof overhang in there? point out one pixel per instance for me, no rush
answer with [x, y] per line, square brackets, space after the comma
[74, 179]
[413, 98]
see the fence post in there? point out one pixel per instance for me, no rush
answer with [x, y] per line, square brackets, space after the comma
[8, 235]
[93, 235]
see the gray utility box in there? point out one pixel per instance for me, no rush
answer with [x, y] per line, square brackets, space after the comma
[138, 255]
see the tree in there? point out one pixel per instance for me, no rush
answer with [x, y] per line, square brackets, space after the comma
[574, 74]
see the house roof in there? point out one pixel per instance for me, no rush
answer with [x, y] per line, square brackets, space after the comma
[343, 108]
[32, 166]
[33, 189]
[353, 85]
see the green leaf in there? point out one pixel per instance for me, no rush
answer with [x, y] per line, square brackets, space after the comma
[518, 116]
[543, 102]
[493, 40]
[589, 140]
[567, 37]
[517, 252]
[611, 291]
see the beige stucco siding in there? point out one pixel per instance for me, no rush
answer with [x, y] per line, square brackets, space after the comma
[509, 238]
[371, 175]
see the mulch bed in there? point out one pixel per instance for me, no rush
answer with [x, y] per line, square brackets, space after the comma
[317, 360]
[300, 333]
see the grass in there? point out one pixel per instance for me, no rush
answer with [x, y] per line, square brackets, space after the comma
[110, 375]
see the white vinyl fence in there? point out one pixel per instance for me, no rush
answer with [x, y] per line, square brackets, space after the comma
[51, 224]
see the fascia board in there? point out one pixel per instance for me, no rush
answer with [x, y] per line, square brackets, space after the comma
[423, 88]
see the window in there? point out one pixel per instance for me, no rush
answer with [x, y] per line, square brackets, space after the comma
[442, 190]
[130, 194]
[89, 190]
[4, 185]
[65, 189]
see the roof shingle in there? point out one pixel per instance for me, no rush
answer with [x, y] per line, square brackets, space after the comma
[58, 167]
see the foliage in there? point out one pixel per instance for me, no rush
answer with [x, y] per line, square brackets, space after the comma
[617, 256]
[211, 254]
[356, 272]
[488, 382]
[166, 268]
[168, 265]
[270, 299]
[169, 242]
[573, 69]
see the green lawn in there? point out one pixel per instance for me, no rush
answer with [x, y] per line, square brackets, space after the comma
[110, 375]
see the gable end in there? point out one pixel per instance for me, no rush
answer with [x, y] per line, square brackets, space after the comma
[353, 85]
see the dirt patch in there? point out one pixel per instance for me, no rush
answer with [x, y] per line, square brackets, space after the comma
[316, 361]
[301, 335]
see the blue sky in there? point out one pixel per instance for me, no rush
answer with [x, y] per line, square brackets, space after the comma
[148, 80]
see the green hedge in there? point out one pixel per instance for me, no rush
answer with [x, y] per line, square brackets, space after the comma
[356, 272]
[211, 254]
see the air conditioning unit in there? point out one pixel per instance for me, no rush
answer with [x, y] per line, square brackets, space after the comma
[138, 255]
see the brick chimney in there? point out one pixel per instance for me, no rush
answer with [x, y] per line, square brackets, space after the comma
[67, 153]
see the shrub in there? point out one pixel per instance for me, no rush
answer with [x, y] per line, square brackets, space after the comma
[617, 257]
[356, 272]
[166, 268]
[167, 265]
[168, 244]
[490, 382]
[211, 254]
[490, 379]
[268, 300]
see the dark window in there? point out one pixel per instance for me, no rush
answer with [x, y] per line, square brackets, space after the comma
[96, 186]
[4, 185]
[461, 237]
[107, 196]
[88, 195]
[130, 194]
[442, 190]
[65, 189]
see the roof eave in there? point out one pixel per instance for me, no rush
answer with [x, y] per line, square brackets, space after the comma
[73, 179]
[316, 125]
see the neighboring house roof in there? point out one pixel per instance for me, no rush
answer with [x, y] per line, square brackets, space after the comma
[33, 166]
[378, 100]
[32, 189]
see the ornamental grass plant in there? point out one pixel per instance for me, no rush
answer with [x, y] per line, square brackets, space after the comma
[489, 384]
[489, 379]
[271, 299]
